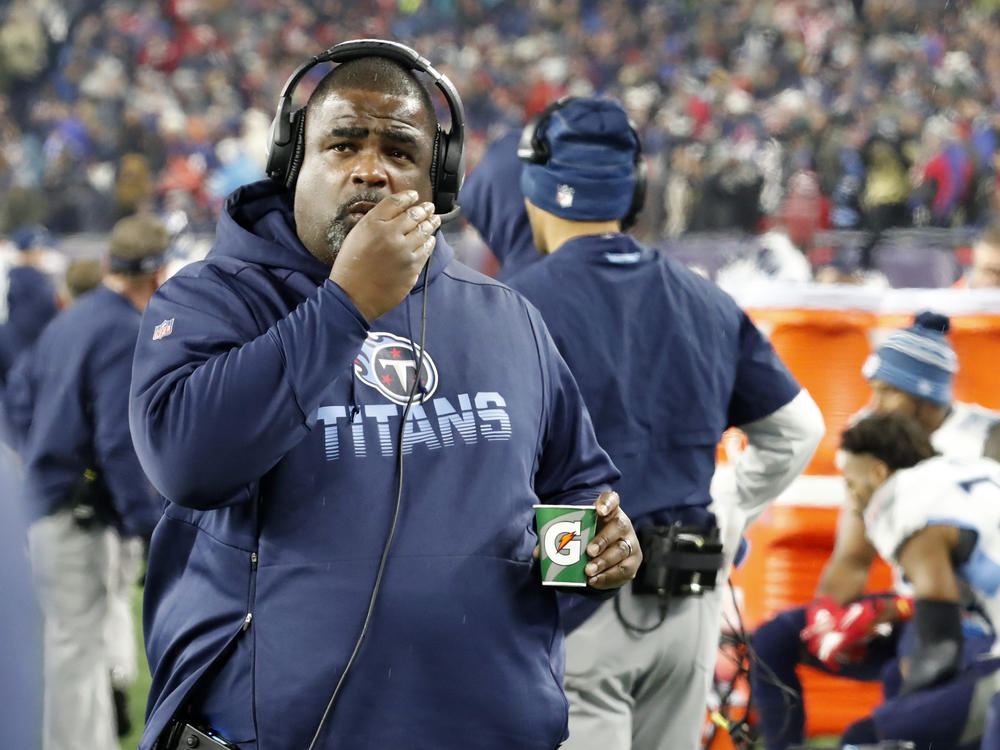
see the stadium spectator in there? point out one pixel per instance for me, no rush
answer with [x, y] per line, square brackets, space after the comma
[278, 388]
[887, 182]
[911, 373]
[984, 271]
[85, 491]
[770, 256]
[730, 194]
[937, 519]
[24, 54]
[804, 210]
[601, 294]
[943, 178]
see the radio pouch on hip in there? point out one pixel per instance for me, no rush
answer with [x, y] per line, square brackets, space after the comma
[678, 560]
[88, 499]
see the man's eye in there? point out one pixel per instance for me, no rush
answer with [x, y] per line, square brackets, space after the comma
[400, 154]
[340, 147]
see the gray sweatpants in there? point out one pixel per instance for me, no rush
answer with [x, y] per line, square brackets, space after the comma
[642, 691]
[124, 563]
[70, 568]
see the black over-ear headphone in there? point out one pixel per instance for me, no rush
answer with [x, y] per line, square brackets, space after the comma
[286, 143]
[533, 148]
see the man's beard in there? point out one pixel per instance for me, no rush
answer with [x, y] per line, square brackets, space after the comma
[339, 226]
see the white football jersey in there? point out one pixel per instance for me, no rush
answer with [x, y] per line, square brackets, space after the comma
[964, 430]
[945, 491]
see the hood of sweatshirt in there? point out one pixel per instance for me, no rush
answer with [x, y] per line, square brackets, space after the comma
[258, 216]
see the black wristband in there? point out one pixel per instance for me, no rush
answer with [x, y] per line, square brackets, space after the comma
[937, 620]
[938, 655]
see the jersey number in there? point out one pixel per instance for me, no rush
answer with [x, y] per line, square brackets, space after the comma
[968, 484]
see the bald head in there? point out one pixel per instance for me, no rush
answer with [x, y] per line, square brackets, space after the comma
[378, 74]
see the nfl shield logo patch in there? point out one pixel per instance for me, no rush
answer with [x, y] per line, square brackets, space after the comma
[564, 196]
[163, 329]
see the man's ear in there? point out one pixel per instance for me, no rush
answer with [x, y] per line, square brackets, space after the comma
[881, 469]
[161, 275]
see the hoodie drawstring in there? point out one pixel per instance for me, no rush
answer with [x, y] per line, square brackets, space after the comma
[421, 386]
[355, 408]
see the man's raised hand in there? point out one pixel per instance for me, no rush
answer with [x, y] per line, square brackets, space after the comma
[382, 256]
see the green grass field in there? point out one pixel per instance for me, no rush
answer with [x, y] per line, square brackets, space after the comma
[139, 691]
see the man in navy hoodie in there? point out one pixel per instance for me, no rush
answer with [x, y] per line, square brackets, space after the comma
[29, 299]
[351, 449]
[665, 362]
[88, 499]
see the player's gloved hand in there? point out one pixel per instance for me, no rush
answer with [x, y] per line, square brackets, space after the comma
[837, 635]
[822, 616]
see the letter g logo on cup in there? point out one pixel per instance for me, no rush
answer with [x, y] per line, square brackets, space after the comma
[564, 531]
[562, 542]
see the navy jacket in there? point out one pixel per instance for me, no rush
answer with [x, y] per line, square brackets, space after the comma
[493, 203]
[69, 404]
[267, 410]
[31, 304]
[664, 359]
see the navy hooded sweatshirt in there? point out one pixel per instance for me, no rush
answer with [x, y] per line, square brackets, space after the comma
[493, 203]
[660, 400]
[67, 401]
[31, 304]
[665, 362]
[266, 409]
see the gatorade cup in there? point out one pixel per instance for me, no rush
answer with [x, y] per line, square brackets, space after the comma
[564, 531]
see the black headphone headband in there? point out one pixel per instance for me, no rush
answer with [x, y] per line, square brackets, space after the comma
[285, 143]
[534, 149]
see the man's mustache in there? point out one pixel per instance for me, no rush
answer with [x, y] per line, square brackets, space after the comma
[370, 196]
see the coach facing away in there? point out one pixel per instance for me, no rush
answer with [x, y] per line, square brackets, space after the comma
[351, 428]
[665, 362]
[87, 496]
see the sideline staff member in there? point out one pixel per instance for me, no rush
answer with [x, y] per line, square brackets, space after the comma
[276, 384]
[87, 494]
[665, 362]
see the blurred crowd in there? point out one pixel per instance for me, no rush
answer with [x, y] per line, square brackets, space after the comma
[805, 114]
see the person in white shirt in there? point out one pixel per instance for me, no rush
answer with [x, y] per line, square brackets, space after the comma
[938, 518]
[912, 373]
